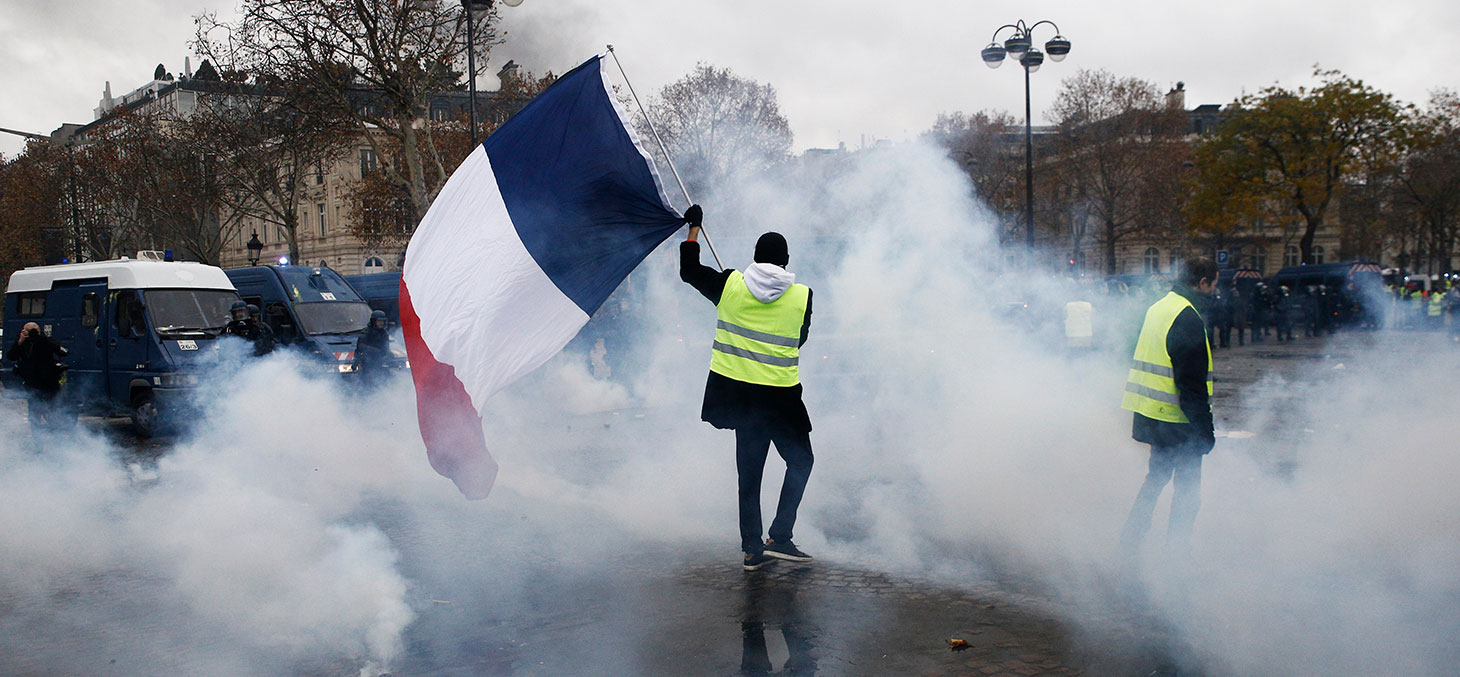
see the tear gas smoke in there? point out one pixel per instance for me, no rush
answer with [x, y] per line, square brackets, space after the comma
[298, 524]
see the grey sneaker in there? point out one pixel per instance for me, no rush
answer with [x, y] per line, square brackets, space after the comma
[756, 562]
[786, 551]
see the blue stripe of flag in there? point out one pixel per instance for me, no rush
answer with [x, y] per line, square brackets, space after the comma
[581, 196]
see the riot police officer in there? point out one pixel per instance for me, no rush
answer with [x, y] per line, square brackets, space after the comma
[237, 320]
[260, 333]
[372, 352]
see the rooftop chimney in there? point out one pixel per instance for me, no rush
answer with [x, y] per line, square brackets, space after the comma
[1176, 98]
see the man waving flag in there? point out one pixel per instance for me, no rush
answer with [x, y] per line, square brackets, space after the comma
[529, 236]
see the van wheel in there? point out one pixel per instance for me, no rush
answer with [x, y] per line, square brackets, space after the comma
[144, 414]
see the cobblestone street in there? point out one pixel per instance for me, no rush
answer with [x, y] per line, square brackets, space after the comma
[672, 609]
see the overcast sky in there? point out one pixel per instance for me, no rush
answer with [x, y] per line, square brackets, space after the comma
[844, 69]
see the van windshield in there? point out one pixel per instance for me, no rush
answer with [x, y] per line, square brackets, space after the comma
[332, 317]
[181, 309]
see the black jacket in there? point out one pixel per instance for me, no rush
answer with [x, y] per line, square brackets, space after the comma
[735, 404]
[372, 351]
[38, 362]
[1187, 344]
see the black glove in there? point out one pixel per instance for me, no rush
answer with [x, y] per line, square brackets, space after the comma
[694, 216]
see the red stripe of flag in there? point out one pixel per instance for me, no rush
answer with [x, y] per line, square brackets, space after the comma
[450, 426]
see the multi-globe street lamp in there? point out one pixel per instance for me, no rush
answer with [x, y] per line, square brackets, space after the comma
[1020, 46]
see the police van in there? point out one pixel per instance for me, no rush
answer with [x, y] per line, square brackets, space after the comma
[138, 332]
[310, 308]
[381, 291]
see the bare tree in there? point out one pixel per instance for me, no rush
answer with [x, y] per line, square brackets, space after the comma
[161, 186]
[382, 212]
[1427, 178]
[376, 64]
[257, 147]
[980, 144]
[717, 125]
[1121, 149]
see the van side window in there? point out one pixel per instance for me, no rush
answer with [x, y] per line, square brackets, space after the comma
[278, 318]
[129, 315]
[31, 304]
[89, 311]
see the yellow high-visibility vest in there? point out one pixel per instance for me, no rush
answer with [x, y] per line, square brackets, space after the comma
[1150, 389]
[759, 342]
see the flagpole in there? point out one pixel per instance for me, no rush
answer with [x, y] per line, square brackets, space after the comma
[664, 149]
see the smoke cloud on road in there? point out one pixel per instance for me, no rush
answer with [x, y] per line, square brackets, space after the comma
[299, 524]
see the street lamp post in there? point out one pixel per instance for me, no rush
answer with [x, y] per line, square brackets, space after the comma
[1020, 46]
[255, 248]
[471, 7]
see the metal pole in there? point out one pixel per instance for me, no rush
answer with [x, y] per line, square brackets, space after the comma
[1028, 173]
[471, 66]
[665, 150]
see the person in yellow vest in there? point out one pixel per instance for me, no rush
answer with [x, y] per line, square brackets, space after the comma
[1435, 308]
[1169, 390]
[754, 386]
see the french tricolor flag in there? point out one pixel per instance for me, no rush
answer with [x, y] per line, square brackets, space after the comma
[529, 236]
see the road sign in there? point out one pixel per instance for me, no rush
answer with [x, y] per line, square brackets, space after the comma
[1222, 257]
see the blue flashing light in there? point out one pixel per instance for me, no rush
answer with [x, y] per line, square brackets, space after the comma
[283, 260]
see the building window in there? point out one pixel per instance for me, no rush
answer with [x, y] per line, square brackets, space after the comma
[374, 264]
[1153, 260]
[320, 209]
[1317, 254]
[318, 173]
[1175, 256]
[1290, 256]
[439, 115]
[367, 161]
[1258, 261]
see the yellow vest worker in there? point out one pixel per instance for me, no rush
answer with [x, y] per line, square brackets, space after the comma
[754, 387]
[1150, 389]
[758, 341]
[1168, 390]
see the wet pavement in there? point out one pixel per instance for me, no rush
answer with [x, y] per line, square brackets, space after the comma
[690, 609]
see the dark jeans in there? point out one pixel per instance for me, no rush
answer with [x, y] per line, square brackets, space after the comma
[1182, 466]
[752, 445]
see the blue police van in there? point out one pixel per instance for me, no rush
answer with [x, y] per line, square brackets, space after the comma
[381, 291]
[310, 308]
[139, 333]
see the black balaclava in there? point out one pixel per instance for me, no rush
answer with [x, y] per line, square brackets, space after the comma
[771, 248]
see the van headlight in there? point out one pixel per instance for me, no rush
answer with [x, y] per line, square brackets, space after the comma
[345, 367]
[175, 380]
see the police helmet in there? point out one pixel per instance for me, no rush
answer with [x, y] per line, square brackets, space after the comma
[377, 316]
[253, 310]
[239, 310]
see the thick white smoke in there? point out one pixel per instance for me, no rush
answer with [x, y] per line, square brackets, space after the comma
[299, 524]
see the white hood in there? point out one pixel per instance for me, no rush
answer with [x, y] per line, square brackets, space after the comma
[768, 281]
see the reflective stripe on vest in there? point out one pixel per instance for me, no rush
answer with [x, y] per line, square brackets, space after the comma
[758, 342]
[1150, 389]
